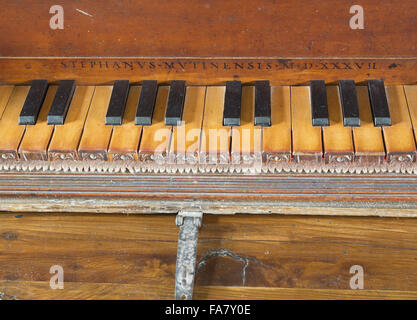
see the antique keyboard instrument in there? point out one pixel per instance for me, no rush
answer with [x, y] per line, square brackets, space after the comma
[214, 106]
[251, 107]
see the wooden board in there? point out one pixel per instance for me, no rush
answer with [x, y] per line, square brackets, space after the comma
[234, 28]
[238, 257]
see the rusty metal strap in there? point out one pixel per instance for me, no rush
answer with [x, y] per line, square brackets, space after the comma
[189, 222]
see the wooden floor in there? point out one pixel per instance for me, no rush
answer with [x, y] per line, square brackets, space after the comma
[239, 257]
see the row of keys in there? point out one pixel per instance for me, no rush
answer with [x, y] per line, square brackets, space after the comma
[232, 103]
[201, 135]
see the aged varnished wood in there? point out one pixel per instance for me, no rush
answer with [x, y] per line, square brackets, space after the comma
[351, 195]
[216, 28]
[238, 257]
[208, 43]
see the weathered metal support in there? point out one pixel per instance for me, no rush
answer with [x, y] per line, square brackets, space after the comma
[189, 222]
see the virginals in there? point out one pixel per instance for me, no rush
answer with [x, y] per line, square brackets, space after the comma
[248, 95]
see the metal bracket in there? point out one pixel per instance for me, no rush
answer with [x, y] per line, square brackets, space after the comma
[189, 222]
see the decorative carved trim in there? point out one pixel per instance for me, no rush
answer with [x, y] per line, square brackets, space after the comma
[339, 158]
[62, 155]
[159, 158]
[247, 158]
[214, 158]
[191, 158]
[369, 159]
[8, 155]
[91, 155]
[270, 158]
[401, 157]
[123, 156]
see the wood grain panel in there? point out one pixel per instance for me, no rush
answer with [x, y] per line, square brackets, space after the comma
[216, 28]
[134, 256]
[12, 290]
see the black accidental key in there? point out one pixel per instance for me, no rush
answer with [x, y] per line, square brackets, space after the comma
[319, 110]
[379, 103]
[232, 103]
[175, 104]
[349, 101]
[117, 102]
[61, 102]
[146, 103]
[33, 102]
[262, 103]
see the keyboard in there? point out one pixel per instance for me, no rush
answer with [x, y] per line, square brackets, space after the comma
[237, 125]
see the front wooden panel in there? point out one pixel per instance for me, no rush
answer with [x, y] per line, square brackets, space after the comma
[238, 257]
[216, 28]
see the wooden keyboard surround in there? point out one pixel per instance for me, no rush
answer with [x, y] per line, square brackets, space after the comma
[207, 44]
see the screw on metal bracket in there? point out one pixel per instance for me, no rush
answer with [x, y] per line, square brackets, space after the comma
[189, 222]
